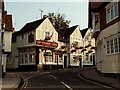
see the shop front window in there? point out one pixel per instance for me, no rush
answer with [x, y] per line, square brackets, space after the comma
[31, 58]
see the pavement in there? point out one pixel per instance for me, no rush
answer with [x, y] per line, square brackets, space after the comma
[13, 79]
[100, 78]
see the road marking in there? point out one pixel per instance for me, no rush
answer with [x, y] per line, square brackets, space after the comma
[26, 84]
[53, 76]
[67, 86]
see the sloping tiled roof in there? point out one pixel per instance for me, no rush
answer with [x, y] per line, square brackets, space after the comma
[7, 21]
[68, 31]
[64, 34]
[83, 32]
[95, 5]
[31, 26]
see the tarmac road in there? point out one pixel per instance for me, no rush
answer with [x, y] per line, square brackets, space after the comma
[61, 79]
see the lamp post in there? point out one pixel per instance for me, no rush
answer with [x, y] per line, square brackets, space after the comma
[45, 59]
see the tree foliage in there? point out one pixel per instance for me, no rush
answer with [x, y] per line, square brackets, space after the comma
[58, 20]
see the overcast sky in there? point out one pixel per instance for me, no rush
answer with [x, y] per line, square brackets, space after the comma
[27, 11]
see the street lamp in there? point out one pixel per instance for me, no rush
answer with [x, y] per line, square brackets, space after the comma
[45, 59]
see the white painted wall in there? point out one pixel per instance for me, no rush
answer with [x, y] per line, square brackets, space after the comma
[108, 63]
[75, 36]
[13, 63]
[7, 41]
[46, 26]
[24, 42]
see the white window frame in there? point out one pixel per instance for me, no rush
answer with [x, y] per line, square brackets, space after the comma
[114, 46]
[108, 47]
[110, 7]
[118, 44]
[94, 20]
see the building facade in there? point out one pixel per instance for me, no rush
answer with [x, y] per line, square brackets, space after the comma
[6, 36]
[37, 46]
[88, 48]
[106, 26]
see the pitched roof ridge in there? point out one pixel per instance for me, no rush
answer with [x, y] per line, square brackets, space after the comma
[36, 20]
[31, 25]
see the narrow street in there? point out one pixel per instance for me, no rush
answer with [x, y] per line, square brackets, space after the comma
[61, 79]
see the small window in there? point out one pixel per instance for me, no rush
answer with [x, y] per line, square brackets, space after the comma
[96, 18]
[31, 38]
[47, 34]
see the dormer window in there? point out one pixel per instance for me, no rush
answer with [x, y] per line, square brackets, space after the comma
[111, 11]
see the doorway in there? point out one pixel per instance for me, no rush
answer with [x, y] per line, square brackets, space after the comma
[65, 61]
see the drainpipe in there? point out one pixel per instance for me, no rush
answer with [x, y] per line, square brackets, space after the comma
[1, 45]
[1, 57]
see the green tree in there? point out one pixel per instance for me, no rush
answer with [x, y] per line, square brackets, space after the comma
[58, 20]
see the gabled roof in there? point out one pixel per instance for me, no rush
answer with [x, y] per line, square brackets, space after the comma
[31, 26]
[64, 34]
[68, 31]
[83, 32]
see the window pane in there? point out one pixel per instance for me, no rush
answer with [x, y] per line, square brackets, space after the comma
[31, 58]
[116, 44]
[108, 15]
[112, 13]
[119, 43]
[116, 9]
[108, 47]
[47, 34]
[112, 48]
[25, 58]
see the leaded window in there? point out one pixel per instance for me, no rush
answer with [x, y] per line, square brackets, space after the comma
[116, 44]
[108, 47]
[112, 46]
